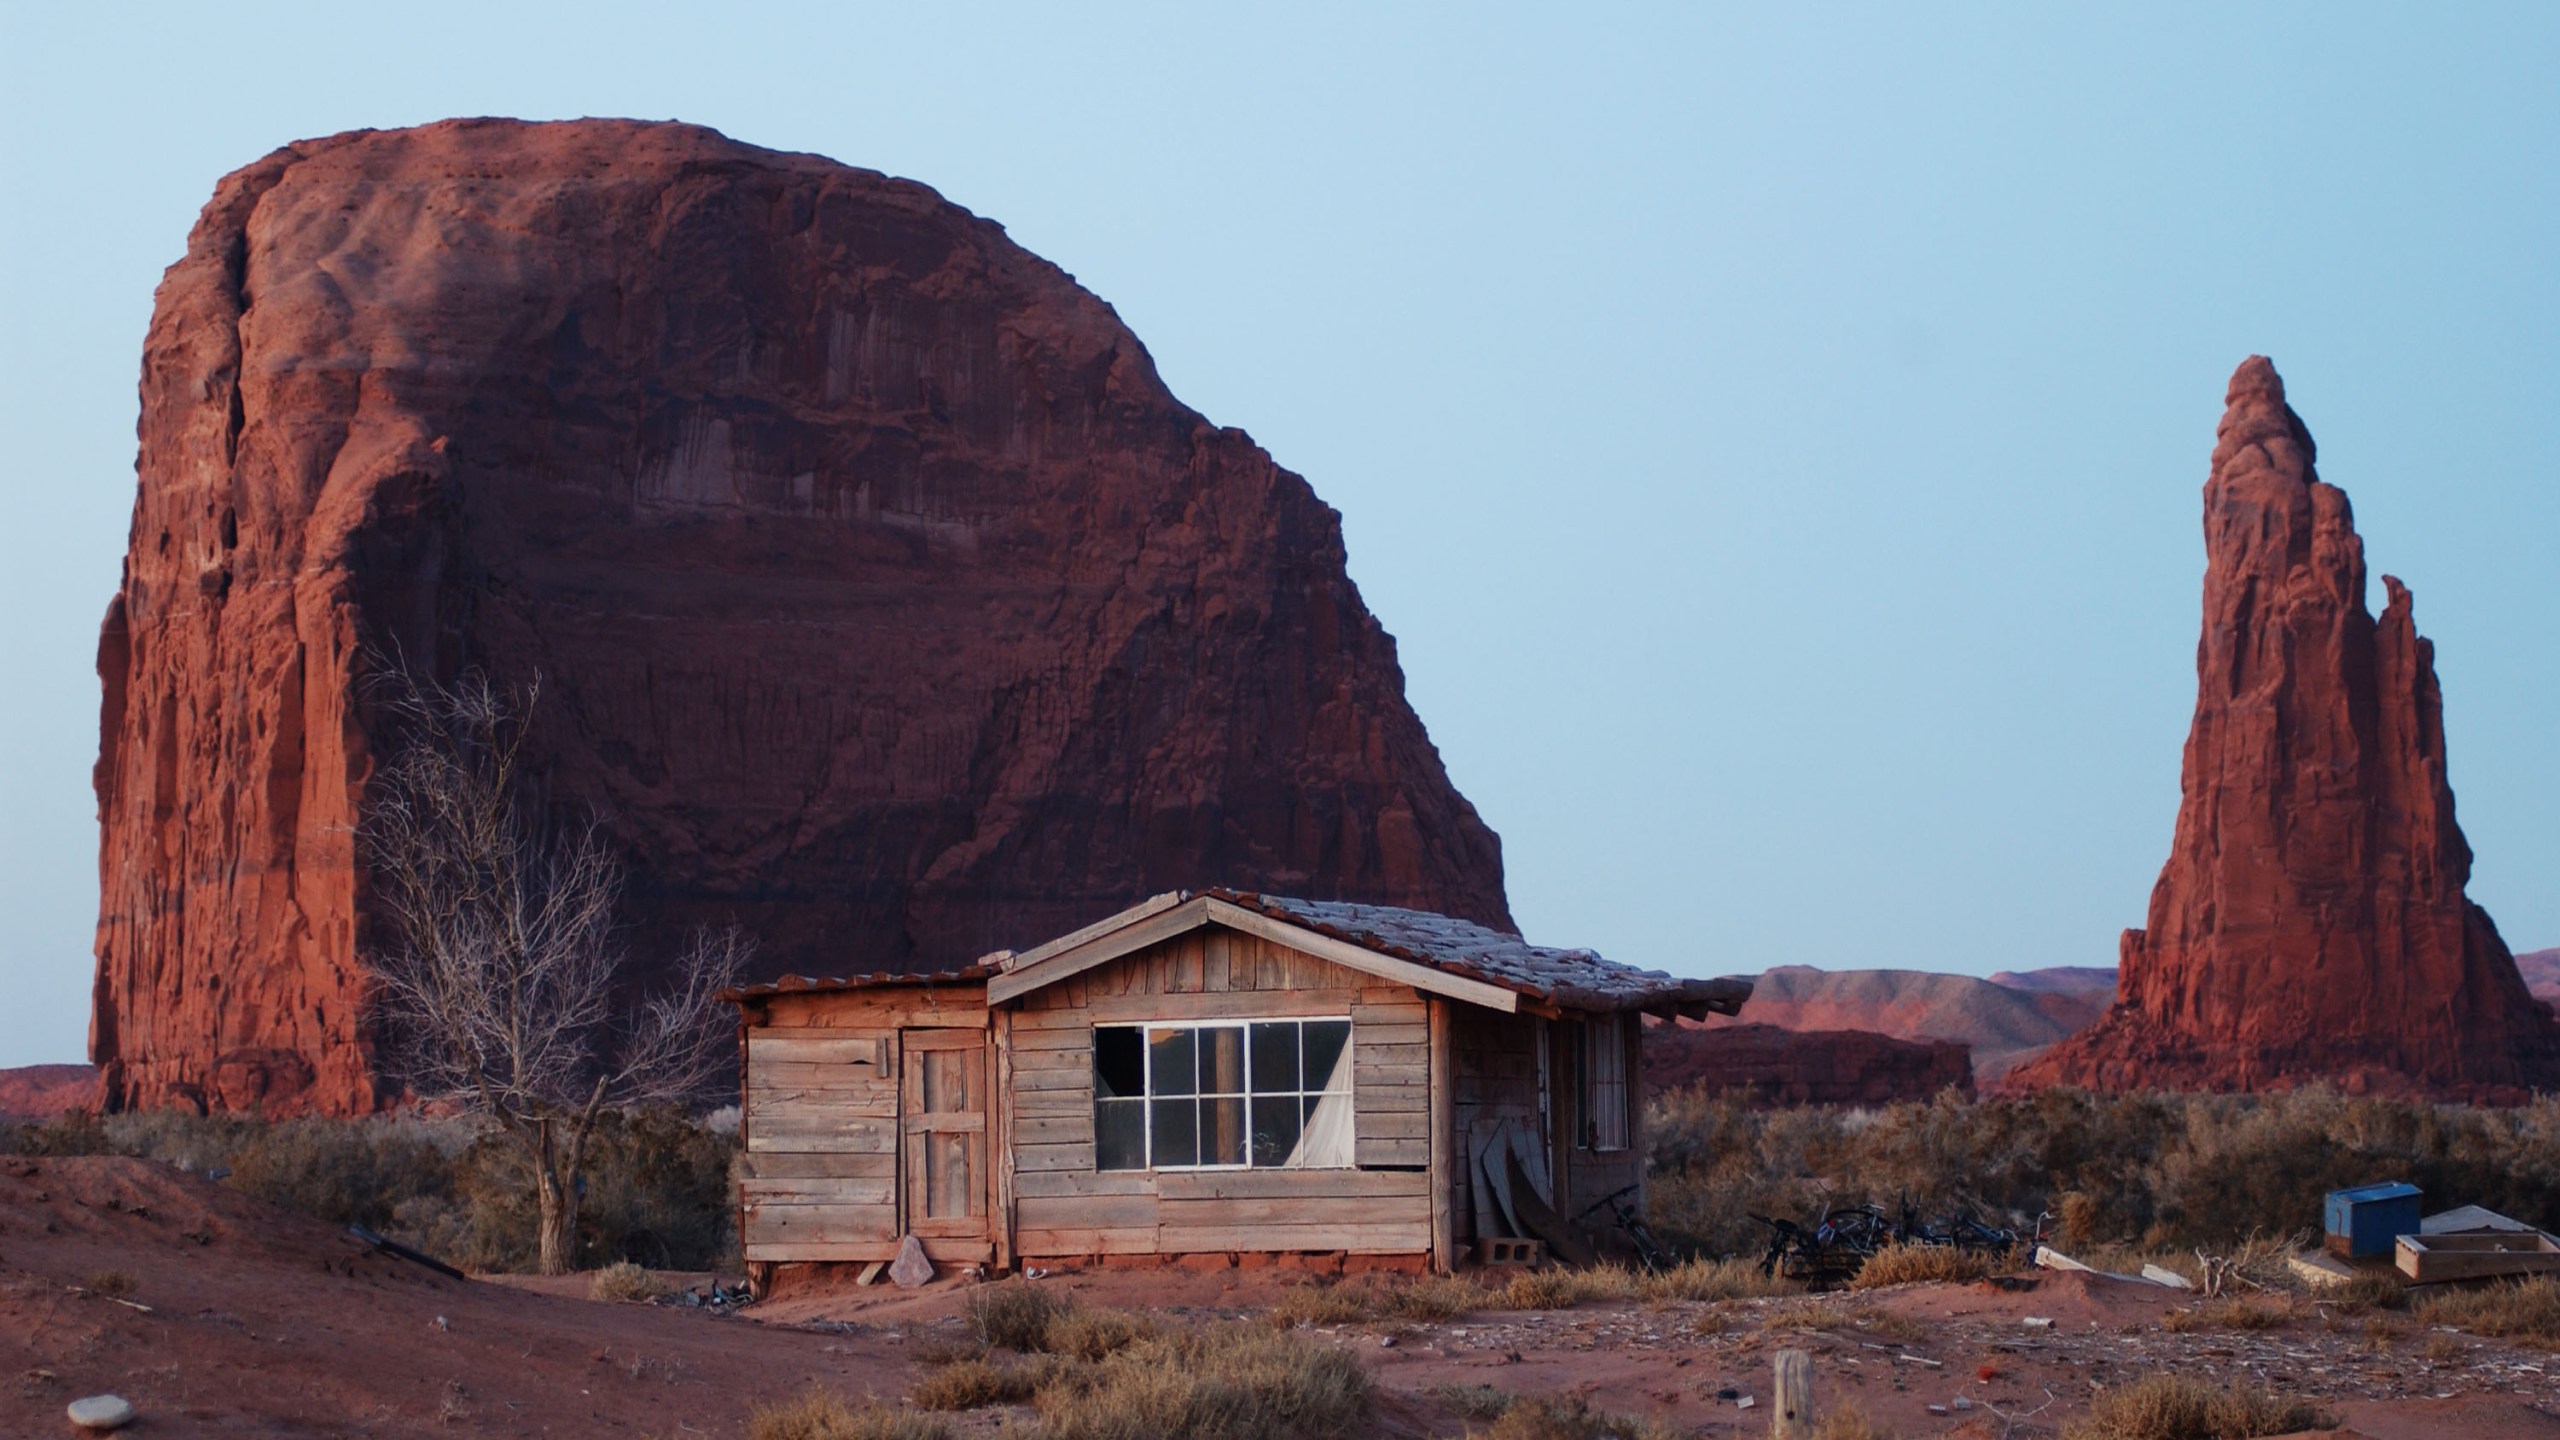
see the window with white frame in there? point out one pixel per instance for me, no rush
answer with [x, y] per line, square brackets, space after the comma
[1603, 1092]
[1183, 1095]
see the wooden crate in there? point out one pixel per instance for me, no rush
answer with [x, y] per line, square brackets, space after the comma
[2427, 1259]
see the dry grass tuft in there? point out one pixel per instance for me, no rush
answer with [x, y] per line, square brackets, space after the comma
[622, 1280]
[1473, 1402]
[2173, 1407]
[2365, 1292]
[974, 1385]
[2248, 1312]
[1013, 1314]
[1711, 1280]
[1926, 1264]
[1095, 1332]
[1227, 1382]
[1541, 1417]
[114, 1284]
[2527, 1310]
[821, 1414]
[2444, 1349]
[1848, 1422]
[1815, 1316]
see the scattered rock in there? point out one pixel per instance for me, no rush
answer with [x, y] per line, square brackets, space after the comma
[101, 1412]
[912, 1267]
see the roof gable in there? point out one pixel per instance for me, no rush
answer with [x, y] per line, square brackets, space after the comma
[1437, 954]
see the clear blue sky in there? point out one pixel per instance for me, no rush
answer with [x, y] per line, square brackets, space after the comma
[1774, 435]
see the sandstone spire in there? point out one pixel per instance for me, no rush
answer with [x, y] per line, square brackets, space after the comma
[2310, 923]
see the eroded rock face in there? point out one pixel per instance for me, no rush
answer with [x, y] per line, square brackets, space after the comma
[882, 597]
[2310, 923]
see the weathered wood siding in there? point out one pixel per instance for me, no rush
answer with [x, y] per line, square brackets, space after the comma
[1496, 1073]
[1064, 1206]
[820, 1178]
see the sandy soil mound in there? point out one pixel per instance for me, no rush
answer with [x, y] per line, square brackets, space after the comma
[241, 1319]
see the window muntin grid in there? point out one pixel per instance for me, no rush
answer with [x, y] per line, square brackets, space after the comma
[1223, 1094]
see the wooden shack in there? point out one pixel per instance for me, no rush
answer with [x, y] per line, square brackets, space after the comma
[1205, 1072]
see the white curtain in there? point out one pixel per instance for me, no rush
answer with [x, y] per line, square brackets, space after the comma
[1325, 1143]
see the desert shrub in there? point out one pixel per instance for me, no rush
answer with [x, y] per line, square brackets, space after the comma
[821, 1414]
[1434, 1297]
[1014, 1314]
[1542, 1417]
[972, 1385]
[1473, 1402]
[2162, 1171]
[1095, 1332]
[658, 1190]
[1325, 1305]
[2521, 1310]
[114, 1284]
[1847, 1422]
[2248, 1312]
[1226, 1382]
[2173, 1407]
[623, 1280]
[1562, 1289]
[1917, 1264]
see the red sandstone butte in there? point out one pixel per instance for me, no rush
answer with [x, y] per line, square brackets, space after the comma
[2310, 924]
[882, 596]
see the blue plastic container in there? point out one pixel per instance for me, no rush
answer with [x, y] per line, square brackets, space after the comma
[2367, 1221]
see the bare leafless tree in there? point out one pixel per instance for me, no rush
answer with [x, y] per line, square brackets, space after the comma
[499, 983]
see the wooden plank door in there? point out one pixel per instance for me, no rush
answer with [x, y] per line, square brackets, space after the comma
[943, 1116]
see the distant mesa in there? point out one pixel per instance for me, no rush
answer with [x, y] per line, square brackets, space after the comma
[2001, 1024]
[44, 1092]
[1770, 1065]
[2310, 924]
[883, 598]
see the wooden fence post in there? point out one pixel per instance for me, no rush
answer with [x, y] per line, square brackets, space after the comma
[1792, 1418]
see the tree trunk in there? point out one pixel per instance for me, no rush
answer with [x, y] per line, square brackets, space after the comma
[559, 1202]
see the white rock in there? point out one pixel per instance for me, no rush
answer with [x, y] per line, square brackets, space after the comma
[101, 1412]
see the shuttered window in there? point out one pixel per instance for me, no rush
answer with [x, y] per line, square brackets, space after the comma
[1257, 1093]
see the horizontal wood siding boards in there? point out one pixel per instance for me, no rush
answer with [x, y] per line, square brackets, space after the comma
[874, 1103]
[849, 1051]
[774, 1224]
[857, 1165]
[821, 1190]
[1048, 1243]
[1067, 1184]
[1087, 1212]
[1028, 1158]
[1282, 1184]
[887, 1007]
[1294, 1210]
[1052, 1129]
[941, 1251]
[801, 1131]
[1373, 1239]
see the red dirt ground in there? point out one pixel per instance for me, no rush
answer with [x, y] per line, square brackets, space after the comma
[264, 1323]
